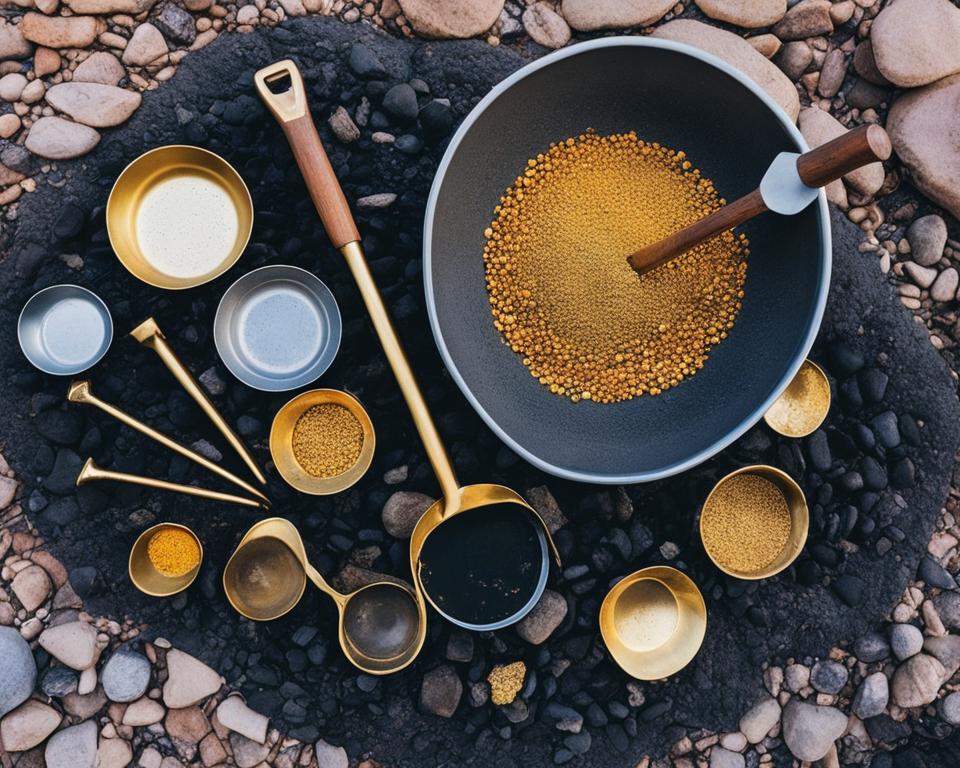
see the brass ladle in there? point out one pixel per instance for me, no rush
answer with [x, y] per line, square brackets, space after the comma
[81, 392]
[149, 334]
[288, 104]
[382, 625]
[90, 472]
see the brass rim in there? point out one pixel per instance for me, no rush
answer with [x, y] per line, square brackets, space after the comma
[281, 449]
[799, 521]
[230, 178]
[782, 429]
[138, 562]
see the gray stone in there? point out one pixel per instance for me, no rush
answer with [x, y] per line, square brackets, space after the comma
[871, 697]
[57, 139]
[944, 288]
[916, 681]
[177, 25]
[949, 708]
[125, 676]
[809, 730]
[18, 670]
[74, 747]
[545, 617]
[871, 647]
[905, 640]
[440, 691]
[927, 237]
[724, 758]
[828, 676]
[794, 58]
[402, 511]
[946, 650]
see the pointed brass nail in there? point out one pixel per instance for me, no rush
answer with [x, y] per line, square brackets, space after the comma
[149, 334]
[80, 392]
[90, 473]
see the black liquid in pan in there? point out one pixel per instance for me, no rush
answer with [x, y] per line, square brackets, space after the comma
[484, 565]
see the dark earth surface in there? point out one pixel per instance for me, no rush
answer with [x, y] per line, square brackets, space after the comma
[875, 475]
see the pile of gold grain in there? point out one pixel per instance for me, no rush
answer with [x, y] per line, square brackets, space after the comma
[562, 294]
[745, 523]
[327, 440]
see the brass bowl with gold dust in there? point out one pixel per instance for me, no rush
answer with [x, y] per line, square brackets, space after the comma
[322, 441]
[165, 559]
[754, 522]
[653, 622]
[804, 404]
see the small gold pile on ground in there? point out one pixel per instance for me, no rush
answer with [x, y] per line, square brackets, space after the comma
[506, 680]
[803, 405]
[327, 440]
[745, 523]
[173, 552]
[561, 291]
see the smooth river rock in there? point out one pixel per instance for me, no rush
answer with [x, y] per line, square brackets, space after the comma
[100, 67]
[28, 725]
[94, 104]
[132, 7]
[923, 128]
[759, 720]
[587, 15]
[61, 31]
[57, 139]
[189, 682]
[13, 45]
[916, 681]
[739, 53]
[916, 42]
[18, 670]
[809, 730]
[73, 644]
[451, 18]
[146, 45]
[745, 13]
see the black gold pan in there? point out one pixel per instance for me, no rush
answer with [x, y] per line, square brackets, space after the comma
[179, 216]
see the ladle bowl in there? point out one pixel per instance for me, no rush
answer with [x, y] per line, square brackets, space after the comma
[381, 626]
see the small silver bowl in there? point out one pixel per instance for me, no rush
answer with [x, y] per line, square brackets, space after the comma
[65, 329]
[277, 328]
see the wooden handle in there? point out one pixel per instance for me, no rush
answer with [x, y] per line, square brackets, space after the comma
[737, 212]
[846, 153]
[290, 109]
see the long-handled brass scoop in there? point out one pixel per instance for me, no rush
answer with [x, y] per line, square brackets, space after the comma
[80, 392]
[280, 85]
[382, 625]
[90, 473]
[149, 334]
[790, 184]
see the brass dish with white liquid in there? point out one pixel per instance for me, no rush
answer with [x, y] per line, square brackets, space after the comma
[179, 216]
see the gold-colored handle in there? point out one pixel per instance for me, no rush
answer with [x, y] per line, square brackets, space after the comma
[80, 392]
[287, 105]
[90, 472]
[383, 325]
[149, 334]
[321, 583]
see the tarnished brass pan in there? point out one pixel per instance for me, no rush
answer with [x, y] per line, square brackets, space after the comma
[179, 216]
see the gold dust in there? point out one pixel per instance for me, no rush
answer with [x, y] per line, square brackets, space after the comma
[173, 552]
[561, 291]
[745, 523]
[327, 440]
[506, 680]
[803, 405]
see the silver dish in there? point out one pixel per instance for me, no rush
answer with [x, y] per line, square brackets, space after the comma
[65, 329]
[277, 328]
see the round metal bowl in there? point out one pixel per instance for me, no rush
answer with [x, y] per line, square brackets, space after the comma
[281, 443]
[731, 130]
[65, 329]
[277, 328]
[179, 216]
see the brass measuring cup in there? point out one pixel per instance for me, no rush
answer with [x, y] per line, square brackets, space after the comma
[145, 575]
[804, 404]
[382, 626]
[288, 104]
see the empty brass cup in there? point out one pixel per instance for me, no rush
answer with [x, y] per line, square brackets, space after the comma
[799, 520]
[281, 443]
[146, 577]
[382, 626]
[804, 404]
[653, 622]
[136, 229]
